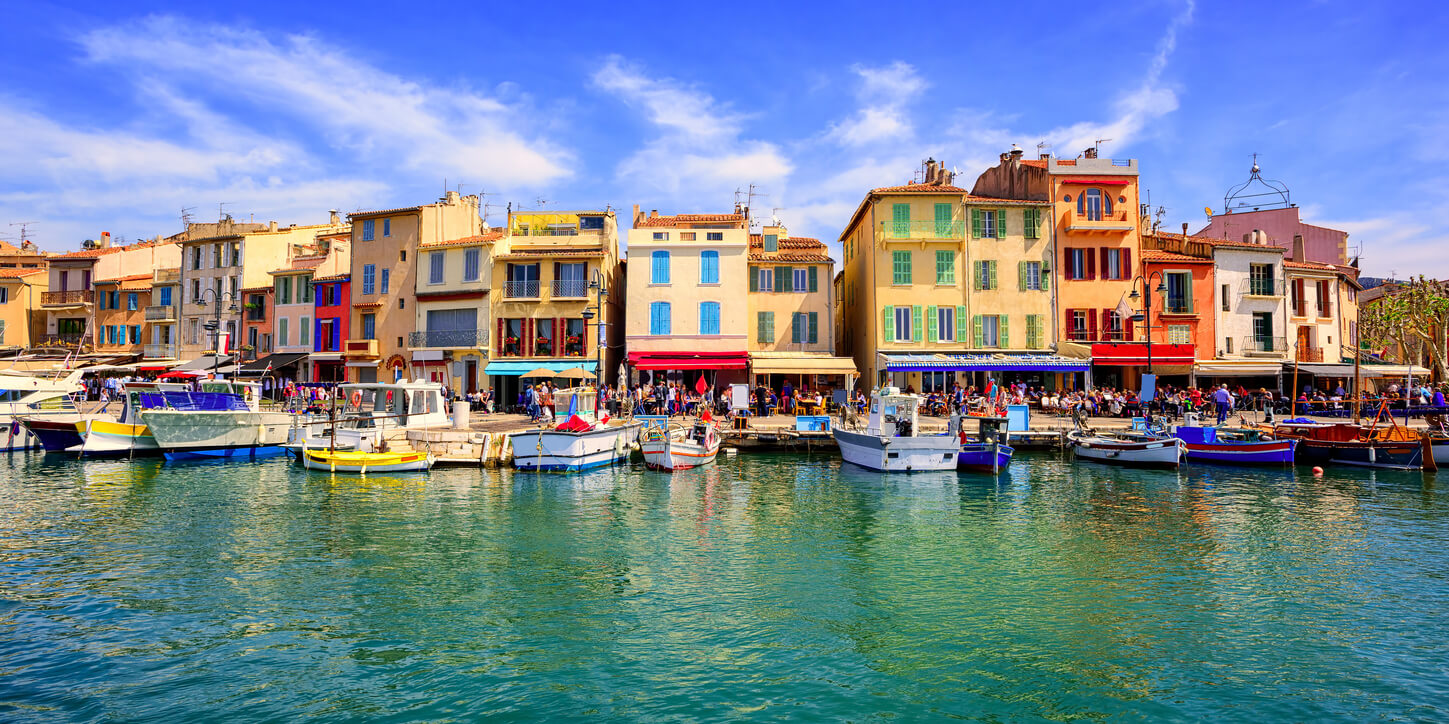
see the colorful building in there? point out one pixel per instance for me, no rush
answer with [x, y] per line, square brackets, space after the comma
[120, 313]
[1182, 312]
[161, 317]
[449, 342]
[294, 324]
[791, 313]
[69, 302]
[20, 292]
[383, 290]
[256, 333]
[684, 272]
[332, 312]
[557, 297]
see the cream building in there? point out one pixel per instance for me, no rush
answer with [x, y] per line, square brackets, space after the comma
[791, 312]
[449, 343]
[20, 292]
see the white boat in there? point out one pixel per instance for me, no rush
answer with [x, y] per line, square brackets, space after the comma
[561, 449]
[223, 420]
[22, 394]
[890, 442]
[102, 436]
[679, 447]
[1128, 448]
[373, 410]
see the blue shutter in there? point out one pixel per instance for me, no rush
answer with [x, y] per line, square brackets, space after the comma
[384, 280]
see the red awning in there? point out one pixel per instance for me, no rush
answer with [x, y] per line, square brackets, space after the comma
[178, 375]
[688, 360]
[161, 368]
[1135, 353]
[1098, 181]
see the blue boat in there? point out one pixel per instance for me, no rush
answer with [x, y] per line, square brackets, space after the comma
[986, 451]
[1234, 445]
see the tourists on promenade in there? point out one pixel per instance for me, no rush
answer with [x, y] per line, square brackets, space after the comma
[1224, 400]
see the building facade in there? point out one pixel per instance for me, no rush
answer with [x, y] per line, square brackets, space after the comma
[120, 314]
[20, 293]
[161, 316]
[255, 342]
[69, 302]
[332, 311]
[449, 341]
[791, 313]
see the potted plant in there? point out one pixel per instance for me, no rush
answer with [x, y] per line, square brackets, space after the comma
[510, 345]
[574, 344]
[543, 345]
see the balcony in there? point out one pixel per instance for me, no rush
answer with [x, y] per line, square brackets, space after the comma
[520, 290]
[66, 299]
[1264, 345]
[68, 341]
[1117, 223]
[166, 276]
[1310, 354]
[161, 313]
[569, 289]
[449, 339]
[922, 230]
[159, 351]
[366, 348]
[1264, 288]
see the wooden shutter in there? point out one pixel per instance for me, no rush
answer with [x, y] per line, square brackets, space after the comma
[1106, 266]
[976, 275]
[960, 323]
[779, 280]
[1069, 264]
[1021, 276]
[916, 330]
[976, 223]
[1188, 291]
[930, 324]
[977, 338]
[991, 274]
[1299, 303]
[1091, 264]
[795, 331]
[1127, 268]
[1001, 223]
[1091, 326]
[888, 323]
[1003, 338]
[754, 279]
[1046, 277]
[814, 279]
[814, 327]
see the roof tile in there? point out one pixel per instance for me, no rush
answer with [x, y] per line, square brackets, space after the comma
[677, 219]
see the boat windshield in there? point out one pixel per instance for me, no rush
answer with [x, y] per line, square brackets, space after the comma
[367, 408]
[63, 403]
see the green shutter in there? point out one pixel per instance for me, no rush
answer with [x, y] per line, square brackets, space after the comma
[976, 275]
[977, 340]
[1003, 339]
[900, 221]
[976, 223]
[916, 323]
[888, 317]
[814, 279]
[789, 277]
[1028, 223]
[930, 324]
[1188, 291]
[960, 324]
[814, 327]
[760, 327]
[943, 221]
[754, 279]
[779, 281]
[1001, 223]
[1021, 276]
[1046, 277]
[991, 274]
[795, 328]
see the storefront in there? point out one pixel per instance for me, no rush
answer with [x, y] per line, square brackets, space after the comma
[1246, 373]
[461, 372]
[804, 370]
[938, 372]
[505, 376]
[1120, 365]
[327, 367]
[718, 368]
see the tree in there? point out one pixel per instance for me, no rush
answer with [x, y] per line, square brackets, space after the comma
[1414, 318]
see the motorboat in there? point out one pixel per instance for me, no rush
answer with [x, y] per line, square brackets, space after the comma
[362, 463]
[56, 433]
[1234, 445]
[679, 447]
[36, 397]
[1127, 447]
[891, 441]
[103, 436]
[223, 420]
[1345, 443]
[370, 412]
[581, 442]
[987, 450]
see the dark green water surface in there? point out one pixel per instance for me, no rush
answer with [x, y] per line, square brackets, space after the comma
[767, 587]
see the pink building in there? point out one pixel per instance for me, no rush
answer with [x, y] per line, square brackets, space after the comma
[1320, 243]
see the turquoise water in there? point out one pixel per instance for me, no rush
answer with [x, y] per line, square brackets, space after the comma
[767, 587]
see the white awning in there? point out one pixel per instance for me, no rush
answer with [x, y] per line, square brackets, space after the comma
[428, 355]
[793, 363]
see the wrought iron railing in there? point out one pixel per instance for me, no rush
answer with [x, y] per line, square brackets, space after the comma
[923, 229]
[449, 338]
[160, 312]
[74, 296]
[1263, 344]
[569, 288]
[1310, 354]
[521, 290]
[160, 351]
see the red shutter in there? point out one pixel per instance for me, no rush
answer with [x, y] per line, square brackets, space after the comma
[1068, 272]
[1127, 328]
[528, 336]
[1106, 266]
[1091, 264]
[1298, 301]
[498, 341]
[558, 340]
[1091, 326]
[1126, 264]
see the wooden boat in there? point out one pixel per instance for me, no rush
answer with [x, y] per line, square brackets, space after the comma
[678, 447]
[1234, 446]
[223, 420]
[56, 433]
[574, 446]
[362, 463]
[1128, 448]
[1344, 443]
[889, 443]
[34, 396]
[986, 451]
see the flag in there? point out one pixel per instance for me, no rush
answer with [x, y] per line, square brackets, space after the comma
[573, 405]
[1124, 311]
[700, 386]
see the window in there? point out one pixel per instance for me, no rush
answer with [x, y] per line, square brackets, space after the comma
[1262, 332]
[801, 279]
[945, 267]
[470, 265]
[943, 222]
[1113, 264]
[165, 294]
[304, 332]
[804, 328]
[1228, 344]
[765, 327]
[1031, 223]
[659, 318]
[382, 285]
[387, 227]
[304, 289]
[1114, 327]
[767, 279]
[1029, 276]
[1260, 280]
[1077, 260]
[988, 224]
[284, 290]
[195, 291]
[709, 317]
[195, 261]
[772, 242]
[900, 221]
[945, 324]
[1080, 326]
[283, 334]
[369, 326]
[686, 236]
[661, 236]
[659, 267]
[714, 236]
[402, 255]
[984, 276]
[1179, 292]
[1227, 306]
[900, 267]
[369, 279]
[1178, 334]
[1324, 306]
[1089, 204]
[216, 256]
[367, 229]
[903, 324]
[709, 267]
[435, 267]
[1033, 331]
[194, 330]
[988, 330]
[401, 302]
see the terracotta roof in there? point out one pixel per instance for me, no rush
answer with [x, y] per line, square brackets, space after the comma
[678, 219]
[383, 212]
[118, 280]
[93, 253]
[367, 305]
[491, 236]
[1313, 265]
[267, 288]
[301, 264]
[333, 278]
[546, 253]
[915, 188]
[795, 248]
[1225, 243]
[1156, 255]
[1034, 162]
[17, 273]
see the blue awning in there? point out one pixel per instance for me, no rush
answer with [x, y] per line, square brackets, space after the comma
[984, 363]
[514, 368]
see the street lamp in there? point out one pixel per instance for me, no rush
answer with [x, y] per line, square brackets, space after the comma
[601, 292]
[213, 325]
[1143, 280]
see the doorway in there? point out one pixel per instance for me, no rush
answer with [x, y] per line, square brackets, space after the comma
[470, 374]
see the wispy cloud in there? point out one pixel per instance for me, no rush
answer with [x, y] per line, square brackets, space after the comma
[883, 96]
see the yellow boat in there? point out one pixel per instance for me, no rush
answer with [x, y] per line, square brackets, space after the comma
[350, 461]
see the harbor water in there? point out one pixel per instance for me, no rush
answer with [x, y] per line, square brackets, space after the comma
[768, 586]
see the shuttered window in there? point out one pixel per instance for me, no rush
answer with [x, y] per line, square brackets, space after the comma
[659, 267]
[709, 267]
[900, 267]
[945, 267]
[709, 317]
[659, 322]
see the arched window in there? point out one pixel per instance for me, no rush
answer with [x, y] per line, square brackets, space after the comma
[659, 270]
[1089, 204]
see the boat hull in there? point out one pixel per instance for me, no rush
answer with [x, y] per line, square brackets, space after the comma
[187, 435]
[566, 452]
[677, 455]
[983, 458]
[361, 463]
[1395, 455]
[1267, 452]
[104, 438]
[898, 454]
[1165, 452]
[56, 433]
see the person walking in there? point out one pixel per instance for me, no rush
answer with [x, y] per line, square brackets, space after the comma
[1224, 400]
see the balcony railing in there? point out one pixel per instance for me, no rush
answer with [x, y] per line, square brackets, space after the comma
[69, 340]
[1264, 345]
[360, 348]
[1261, 288]
[1310, 354]
[954, 230]
[161, 313]
[520, 290]
[569, 288]
[75, 296]
[1119, 221]
[449, 339]
[160, 351]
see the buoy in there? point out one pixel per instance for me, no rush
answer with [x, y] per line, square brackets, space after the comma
[1317, 472]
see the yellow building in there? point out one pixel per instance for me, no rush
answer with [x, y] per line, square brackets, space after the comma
[944, 287]
[556, 298]
[449, 343]
[791, 313]
[20, 290]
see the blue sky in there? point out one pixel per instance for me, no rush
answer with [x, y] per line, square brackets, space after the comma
[116, 116]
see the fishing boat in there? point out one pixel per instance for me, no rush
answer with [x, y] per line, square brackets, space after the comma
[581, 442]
[1144, 449]
[36, 397]
[56, 433]
[890, 441]
[987, 451]
[1234, 445]
[679, 447]
[223, 420]
[362, 463]
[104, 436]
[1345, 443]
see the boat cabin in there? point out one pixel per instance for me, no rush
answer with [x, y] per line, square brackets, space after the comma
[563, 399]
[250, 392]
[380, 405]
[893, 414]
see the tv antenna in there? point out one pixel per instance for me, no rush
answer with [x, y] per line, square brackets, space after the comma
[24, 230]
[1043, 149]
[1098, 145]
[186, 216]
[221, 214]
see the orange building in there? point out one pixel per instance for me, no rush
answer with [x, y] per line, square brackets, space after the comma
[121, 313]
[1183, 312]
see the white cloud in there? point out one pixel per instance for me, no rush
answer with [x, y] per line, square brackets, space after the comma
[883, 95]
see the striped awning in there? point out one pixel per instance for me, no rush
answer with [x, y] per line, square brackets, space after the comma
[984, 363]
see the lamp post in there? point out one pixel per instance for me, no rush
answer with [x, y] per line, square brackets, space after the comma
[1143, 280]
[213, 325]
[601, 292]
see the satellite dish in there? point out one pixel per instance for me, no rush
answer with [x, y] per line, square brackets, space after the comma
[1208, 210]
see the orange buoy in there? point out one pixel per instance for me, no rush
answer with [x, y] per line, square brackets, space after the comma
[1317, 471]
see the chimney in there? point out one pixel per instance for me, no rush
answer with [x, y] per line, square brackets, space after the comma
[931, 171]
[1300, 251]
[105, 239]
[333, 217]
[635, 218]
[654, 213]
[1016, 154]
[450, 198]
[1090, 153]
[1250, 237]
[1184, 231]
[271, 226]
